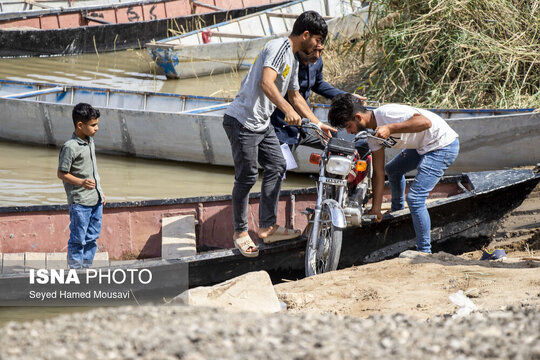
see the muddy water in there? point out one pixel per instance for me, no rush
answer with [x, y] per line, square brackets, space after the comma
[28, 177]
[131, 69]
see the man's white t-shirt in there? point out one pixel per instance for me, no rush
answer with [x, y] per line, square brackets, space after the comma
[439, 135]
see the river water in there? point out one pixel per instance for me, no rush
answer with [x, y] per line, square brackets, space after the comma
[28, 173]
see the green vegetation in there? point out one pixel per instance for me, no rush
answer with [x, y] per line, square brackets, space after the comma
[445, 53]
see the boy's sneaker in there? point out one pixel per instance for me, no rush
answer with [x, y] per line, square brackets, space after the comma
[495, 254]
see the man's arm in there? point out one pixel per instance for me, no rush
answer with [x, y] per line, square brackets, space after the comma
[300, 104]
[378, 183]
[271, 91]
[416, 123]
[67, 177]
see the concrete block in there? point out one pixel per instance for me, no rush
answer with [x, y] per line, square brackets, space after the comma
[35, 260]
[249, 292]
[101, 259]
[13, 262]
[57, 260]
[178, 237]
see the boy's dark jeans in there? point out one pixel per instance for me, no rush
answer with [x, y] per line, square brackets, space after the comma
[248, 148]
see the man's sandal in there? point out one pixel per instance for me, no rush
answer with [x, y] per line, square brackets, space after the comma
[281, 234]
[244, 243]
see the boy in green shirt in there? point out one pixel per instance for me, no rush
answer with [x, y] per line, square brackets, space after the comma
[77, 168]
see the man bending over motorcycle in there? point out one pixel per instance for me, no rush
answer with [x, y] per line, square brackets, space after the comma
[429, 146]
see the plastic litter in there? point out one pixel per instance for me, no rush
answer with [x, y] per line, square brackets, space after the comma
[466, 306]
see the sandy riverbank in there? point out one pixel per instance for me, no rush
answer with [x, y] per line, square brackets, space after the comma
[420, 286]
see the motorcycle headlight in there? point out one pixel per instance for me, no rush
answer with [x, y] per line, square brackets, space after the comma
[338, 165]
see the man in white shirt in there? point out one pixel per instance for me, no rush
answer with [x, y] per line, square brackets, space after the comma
[430, 146]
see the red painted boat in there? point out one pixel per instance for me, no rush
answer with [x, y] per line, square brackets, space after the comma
[113, 27]
[133, 229]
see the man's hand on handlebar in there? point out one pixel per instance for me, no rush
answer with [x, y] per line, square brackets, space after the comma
[293, 118]
[327, 129]
[382, 132]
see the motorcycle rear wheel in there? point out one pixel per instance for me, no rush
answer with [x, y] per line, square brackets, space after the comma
[324, 255]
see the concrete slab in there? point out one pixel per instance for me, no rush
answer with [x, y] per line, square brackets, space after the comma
[13, 262]
[1, 261]
[101, 259]
[57, 260]
[178, 237]
[123, 262]
[35, 260]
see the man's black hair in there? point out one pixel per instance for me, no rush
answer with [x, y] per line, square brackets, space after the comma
[310, 21]
[343, 109]
[84, 112]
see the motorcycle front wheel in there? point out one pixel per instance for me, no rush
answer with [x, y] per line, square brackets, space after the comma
[323, 255]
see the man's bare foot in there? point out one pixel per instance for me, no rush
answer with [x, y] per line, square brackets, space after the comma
[277, 233]
[265, 232]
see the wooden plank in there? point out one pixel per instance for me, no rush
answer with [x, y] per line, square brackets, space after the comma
[236, 36]
[198, 3]
[292, 16]
[35, 3]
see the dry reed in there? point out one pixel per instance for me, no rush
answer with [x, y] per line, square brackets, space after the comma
[445, 53]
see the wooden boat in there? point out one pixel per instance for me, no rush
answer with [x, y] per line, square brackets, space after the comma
[464, 209]
[110, 27]
[19, 8]
[233, 44]
[189, 128]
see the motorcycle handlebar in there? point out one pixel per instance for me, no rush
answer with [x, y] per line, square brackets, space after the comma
[370, 133]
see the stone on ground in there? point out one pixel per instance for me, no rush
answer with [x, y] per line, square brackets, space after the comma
[249, 292]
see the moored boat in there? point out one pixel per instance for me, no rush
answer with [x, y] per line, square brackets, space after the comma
[20, 8]
[111, 27]
[464, 208]
[230, 45]
[189, 128]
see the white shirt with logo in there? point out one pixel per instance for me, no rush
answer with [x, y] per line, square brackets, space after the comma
[251, 107]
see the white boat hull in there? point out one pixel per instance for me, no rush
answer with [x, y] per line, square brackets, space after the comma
[188, 56]
[169, 126]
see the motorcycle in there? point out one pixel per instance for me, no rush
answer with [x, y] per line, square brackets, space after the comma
[343, 190]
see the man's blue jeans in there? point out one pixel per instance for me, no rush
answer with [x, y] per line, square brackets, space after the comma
[430, 168]
[85, 227]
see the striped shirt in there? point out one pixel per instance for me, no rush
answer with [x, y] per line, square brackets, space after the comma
[251, 107]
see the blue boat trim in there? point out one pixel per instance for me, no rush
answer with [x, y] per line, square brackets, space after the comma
[223, 99]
